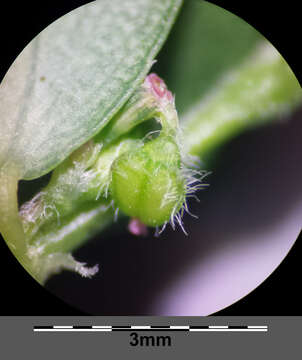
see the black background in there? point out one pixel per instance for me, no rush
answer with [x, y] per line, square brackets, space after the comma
[279, 294]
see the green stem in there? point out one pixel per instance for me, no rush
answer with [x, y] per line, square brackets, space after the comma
[259, 91]
[10, 222]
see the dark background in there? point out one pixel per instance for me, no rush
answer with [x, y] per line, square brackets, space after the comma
[278, 295]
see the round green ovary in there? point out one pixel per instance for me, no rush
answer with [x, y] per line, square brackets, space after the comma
[148, 183]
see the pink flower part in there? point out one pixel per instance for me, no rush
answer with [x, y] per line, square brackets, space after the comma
[137, 228]
[158, 87]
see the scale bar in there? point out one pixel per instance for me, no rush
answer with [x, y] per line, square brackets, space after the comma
[100, 327]
[218, 327]
[62, 327]
[257, 327]
[229, 330]
[186, 328]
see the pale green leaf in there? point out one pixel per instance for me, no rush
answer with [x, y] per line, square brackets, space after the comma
[74, 76]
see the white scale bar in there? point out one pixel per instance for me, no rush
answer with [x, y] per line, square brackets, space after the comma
[63, 327]
[228, 330]
[218, 327]
[104, 328]
[179, 327]
[257, 327]
[73, 330]
[101, 327]
[141, 327]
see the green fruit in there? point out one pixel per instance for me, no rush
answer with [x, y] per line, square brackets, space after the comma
[148, 183]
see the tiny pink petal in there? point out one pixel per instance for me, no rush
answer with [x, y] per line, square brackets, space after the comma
[136, 227]
[158, 87]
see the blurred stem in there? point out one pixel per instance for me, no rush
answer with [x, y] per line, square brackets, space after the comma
[261, 90]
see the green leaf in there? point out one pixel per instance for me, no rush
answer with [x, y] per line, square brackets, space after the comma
[74, 76]
[62, 90]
